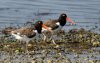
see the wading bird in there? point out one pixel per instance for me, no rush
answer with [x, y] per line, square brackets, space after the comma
[25, 34]
[56, 25]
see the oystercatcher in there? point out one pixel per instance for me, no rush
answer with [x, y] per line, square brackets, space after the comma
[57, 25]
[26, 34]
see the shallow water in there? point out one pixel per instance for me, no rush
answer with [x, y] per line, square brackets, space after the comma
[85, 13]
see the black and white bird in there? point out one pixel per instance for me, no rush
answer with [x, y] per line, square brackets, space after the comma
[57, 24]
[26, 34]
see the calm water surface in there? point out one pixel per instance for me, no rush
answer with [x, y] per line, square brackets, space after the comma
[86, 13]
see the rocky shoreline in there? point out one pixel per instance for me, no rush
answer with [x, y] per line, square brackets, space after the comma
[69, 48]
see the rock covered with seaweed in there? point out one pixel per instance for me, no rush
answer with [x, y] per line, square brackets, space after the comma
[75, 40]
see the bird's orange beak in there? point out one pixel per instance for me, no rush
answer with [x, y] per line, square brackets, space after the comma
[44, 26]
[70, 20]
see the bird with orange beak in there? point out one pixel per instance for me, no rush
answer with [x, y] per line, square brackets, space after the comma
[26, 34]
[57, 24]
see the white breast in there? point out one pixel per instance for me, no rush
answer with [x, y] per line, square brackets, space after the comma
[17, 36]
